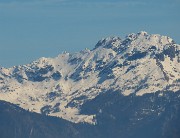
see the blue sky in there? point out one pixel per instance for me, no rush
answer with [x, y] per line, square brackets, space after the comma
[30, 29]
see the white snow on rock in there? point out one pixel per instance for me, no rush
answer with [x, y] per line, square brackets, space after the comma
[141, 63]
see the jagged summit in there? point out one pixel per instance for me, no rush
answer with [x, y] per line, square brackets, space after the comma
[141, 42]
[140, 63]
[140, 36]
[109, 42]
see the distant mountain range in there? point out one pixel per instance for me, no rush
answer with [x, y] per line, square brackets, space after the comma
[122, 88]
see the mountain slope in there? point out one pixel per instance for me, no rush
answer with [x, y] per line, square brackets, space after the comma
[139, 64]
[150, 115]
[19, 123]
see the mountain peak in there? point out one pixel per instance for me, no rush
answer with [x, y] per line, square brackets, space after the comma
[141, 40]
[109, 42]
[133, 36]
[142, 33]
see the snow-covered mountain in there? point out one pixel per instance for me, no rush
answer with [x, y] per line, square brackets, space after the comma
[140, 63]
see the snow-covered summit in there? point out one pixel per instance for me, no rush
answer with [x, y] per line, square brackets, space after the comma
[140, 63]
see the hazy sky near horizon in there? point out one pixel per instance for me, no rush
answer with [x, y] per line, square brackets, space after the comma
[30, 29]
